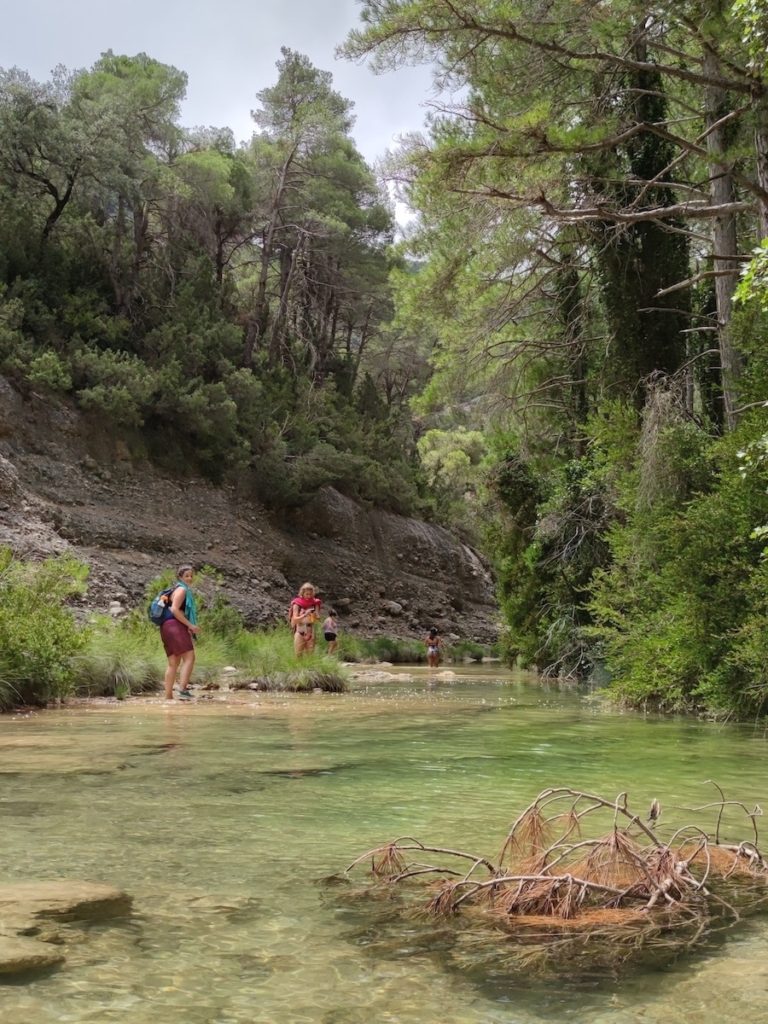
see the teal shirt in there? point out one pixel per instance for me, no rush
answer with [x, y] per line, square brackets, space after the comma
[190, 607]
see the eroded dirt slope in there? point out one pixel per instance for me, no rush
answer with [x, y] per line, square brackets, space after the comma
[66, 483]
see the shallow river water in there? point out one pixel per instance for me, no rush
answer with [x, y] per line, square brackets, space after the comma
[221, 818]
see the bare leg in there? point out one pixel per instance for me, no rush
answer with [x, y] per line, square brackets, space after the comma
[187, 664]
[303, 644]
[170, 675]
[332, 645]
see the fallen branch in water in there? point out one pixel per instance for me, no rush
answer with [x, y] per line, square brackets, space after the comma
[547, 871]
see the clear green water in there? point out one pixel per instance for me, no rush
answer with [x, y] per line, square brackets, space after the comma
[220, 820]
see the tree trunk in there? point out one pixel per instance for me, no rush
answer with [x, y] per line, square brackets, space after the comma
[116, 258]
[643, 259]
[761, 160]
[257, 322]
[724, 241]
[220, 235]
[60, 199]
[288, 271]
[570, 308]
[364, 331]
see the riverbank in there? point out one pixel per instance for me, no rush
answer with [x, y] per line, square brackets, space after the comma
[383, 677]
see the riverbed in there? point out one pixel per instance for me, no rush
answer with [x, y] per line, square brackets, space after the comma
[222, 818]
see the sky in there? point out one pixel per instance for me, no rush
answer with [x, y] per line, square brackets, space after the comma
[228, 48]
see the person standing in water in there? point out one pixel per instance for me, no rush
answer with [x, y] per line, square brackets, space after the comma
[304, 615]
[434, 643]
[177, 632]
[331, 632]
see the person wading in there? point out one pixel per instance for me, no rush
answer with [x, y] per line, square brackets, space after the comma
[434, 643]
[177, 632]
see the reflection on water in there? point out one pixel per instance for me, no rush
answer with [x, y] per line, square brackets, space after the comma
[221, 819]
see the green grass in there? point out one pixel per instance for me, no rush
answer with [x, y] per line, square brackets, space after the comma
[380, 648]
[466, 650]
[128, 658]
[118, 660]
[405, 651]
[46, 654]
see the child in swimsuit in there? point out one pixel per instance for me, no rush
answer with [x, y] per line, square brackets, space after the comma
[434, 643]
[331, 631]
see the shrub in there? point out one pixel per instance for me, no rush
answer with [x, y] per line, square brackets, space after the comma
[39, 637]
[381, 648]
[679, 612]
[466, 650]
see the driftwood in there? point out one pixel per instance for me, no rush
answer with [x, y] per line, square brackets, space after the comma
[630, 879]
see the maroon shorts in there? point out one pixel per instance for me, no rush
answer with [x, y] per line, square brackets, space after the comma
[176, 637]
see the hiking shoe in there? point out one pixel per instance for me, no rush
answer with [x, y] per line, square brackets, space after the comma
[185, 695]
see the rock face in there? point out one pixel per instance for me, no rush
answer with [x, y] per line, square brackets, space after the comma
[69, 484]
[26, 944]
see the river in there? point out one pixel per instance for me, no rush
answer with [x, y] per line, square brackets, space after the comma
[221, 818]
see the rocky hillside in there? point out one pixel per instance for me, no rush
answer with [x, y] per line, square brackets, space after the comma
[67, 483]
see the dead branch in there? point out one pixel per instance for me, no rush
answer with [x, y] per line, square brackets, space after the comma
[605, 886]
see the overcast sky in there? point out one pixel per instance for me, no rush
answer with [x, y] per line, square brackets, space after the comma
[228, 48]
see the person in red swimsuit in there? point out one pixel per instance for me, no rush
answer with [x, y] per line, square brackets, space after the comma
[304, 614]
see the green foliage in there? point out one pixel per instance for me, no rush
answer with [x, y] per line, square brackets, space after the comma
[752, 17]
[451, 462]
[753, 284]
[39, 637]
[48, 372]
[556, 261]
[380, 648]
[678, 611]
[467, 650]
[399, 651]
[132, 281]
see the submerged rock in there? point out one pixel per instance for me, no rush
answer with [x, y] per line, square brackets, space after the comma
[65, 900]
[373, 676]
[20, 955]
[27, 946]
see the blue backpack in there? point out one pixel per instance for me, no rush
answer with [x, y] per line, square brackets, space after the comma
[160, 609]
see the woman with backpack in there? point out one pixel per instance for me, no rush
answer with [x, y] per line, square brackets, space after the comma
[177, 630]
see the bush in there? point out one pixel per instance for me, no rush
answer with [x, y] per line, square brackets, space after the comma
[466, 650]
[39, 637]
[680, 611]
[381, 648]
